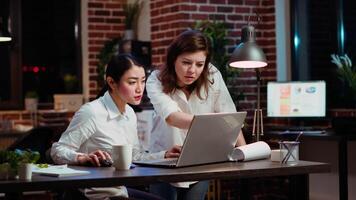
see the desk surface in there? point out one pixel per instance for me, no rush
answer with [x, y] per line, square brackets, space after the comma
[145, 175]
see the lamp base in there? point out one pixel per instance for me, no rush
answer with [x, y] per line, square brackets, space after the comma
[257, 128]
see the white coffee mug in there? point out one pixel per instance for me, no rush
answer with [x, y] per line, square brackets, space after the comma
[25, 171]
[122, 156]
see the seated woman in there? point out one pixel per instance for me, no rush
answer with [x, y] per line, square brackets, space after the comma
[106, 121]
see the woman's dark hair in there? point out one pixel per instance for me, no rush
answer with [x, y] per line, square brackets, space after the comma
[117, 67]
[189, 41]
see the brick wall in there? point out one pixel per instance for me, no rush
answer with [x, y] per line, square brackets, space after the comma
[105, 22]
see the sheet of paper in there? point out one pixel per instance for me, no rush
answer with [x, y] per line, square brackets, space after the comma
[58, 171]
[253, 151]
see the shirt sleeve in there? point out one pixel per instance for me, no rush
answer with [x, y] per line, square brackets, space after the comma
[137, 152]
[82, 126]
[163, 104]
[223, 101]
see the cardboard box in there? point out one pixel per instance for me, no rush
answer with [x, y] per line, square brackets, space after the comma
[70, 102]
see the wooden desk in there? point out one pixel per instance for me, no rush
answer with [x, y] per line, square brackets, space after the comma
[145, 175]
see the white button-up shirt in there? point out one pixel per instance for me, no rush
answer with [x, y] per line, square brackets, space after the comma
[98, 125]
[163, 136]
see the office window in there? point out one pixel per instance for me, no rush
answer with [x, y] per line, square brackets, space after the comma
[50, 35]
[319, 29]
[45, 48]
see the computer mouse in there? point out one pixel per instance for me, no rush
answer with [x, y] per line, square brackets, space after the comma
[105, 163]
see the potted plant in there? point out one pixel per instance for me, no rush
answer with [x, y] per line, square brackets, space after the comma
[31, 101]
[347, 74]
[12, 161]
[131, 11]
[70, 83]
[217, 33]
[110, 48]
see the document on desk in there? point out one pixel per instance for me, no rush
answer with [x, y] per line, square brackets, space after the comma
[253, 151]
[58, 171]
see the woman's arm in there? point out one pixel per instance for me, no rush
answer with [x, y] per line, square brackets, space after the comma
[93, 158]
[240, 140]
[180, 120]
[164, 105]
[81, 127]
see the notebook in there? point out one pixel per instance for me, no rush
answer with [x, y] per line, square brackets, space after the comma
[210, 139]
[59, 171]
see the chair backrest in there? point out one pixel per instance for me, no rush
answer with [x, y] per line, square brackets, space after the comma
[37, 139]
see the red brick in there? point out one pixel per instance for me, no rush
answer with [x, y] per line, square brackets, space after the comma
[93, 63]
[102, 13]
[92, 84]
[252, 2]
[241, 10]
[207, 8]
[11, 116]
[117, 27]
[94, 49]
[235, 17]
[198, 1]
[96, 34]
[95, 5]
[112, 20]
[188, 8]
[224, 9]
[234, 2]
[268, 3]
[271, 34]
[218, 1]
[200, 16]
[95, 19]
[118, 13]
[112, 5]
[91, 12]
[217, 17]
[102, 27]
[113, 35]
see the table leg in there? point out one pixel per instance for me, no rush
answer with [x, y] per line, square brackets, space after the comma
[299, 187]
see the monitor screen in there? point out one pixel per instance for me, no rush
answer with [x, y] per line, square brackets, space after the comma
[296, 99]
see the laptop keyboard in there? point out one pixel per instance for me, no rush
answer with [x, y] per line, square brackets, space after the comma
[168, 162]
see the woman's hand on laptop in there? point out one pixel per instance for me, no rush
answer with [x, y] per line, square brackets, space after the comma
[174, 152]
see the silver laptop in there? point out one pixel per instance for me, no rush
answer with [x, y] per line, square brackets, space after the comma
[210, 139]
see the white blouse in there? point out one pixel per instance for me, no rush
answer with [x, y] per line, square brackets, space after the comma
[163, 136]
[98, 125]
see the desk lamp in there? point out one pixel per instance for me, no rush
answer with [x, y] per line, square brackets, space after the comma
[248, 55]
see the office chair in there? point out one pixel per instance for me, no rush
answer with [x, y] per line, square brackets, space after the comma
[37, 139]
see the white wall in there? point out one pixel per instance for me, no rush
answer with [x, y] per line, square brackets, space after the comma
[283, 46]
[144, 21]
[85, 53]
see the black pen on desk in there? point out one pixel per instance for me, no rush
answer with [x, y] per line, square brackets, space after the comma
[289, 154]
[297, 139]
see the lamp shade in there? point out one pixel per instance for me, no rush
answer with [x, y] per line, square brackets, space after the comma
[248, 54]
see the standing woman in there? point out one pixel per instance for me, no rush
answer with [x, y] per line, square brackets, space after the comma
[106, 121]
[187, 85]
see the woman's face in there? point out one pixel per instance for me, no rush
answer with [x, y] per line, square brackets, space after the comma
[131, 85]
[189, 67]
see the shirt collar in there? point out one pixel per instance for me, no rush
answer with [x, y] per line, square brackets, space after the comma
[111, 107]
